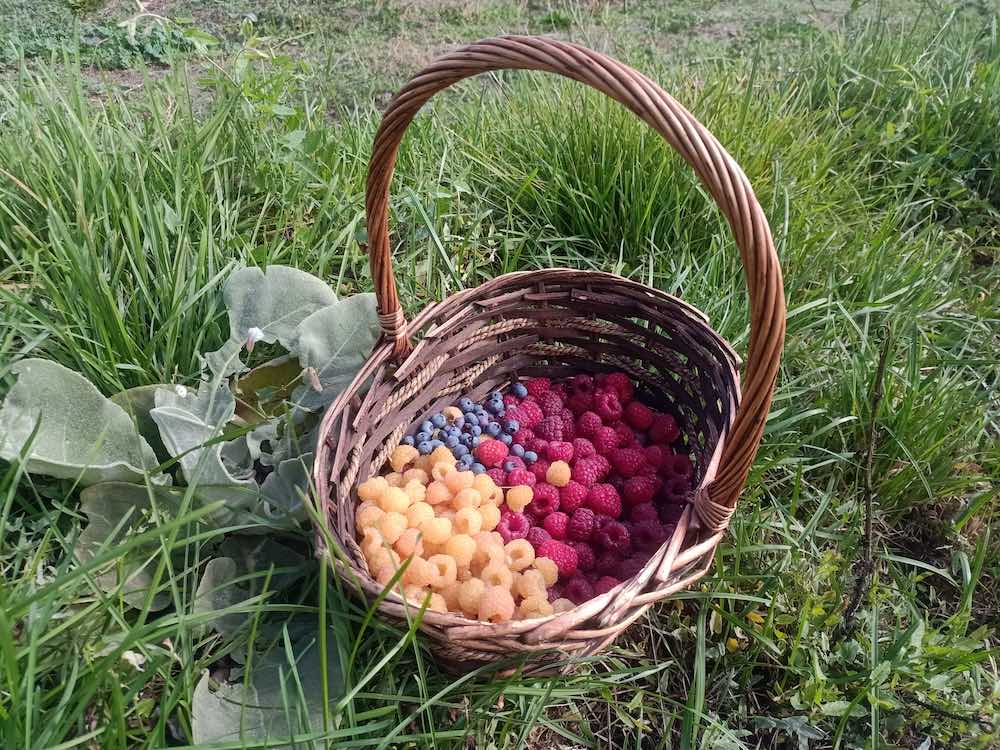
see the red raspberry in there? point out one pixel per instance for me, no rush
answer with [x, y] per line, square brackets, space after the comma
[498, 475]
[675, 490]
[584, 556]
[671, 514]
[523, 435]
[545, 500]
[530, 413]
[515, 461]
[551, 404]
[602, 463]
[555, 591]
[561, 554]
[618, 483]
[626, 438]
[537, 535]
[559, 450]
[537, 386]
[680, 465]
[582, 382]
[572, 496]
[550, 428]
[607, 406]
[537, 445]
[603, 498]
[605, 440]
[521, 476]
[604, 584]
[568, 425]
[583, 448]
[513, 526]
[586, 471]
[655, 455]
[644, 512]
[614, 536]
[664, 429]
[621, 385]
[560, 390]
[578, 590]
[491, 453]
[580, 402]
[588, 423]
[581, 525]
[555, 524]
[510, 401]
[627, 461]
[608, 563]
[648, 536]
[540, 468]
[639, 416]
[639, 490]
[630, 568]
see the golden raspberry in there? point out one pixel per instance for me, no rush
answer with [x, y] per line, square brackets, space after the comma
[446, 513]
[468, 521]
[529, 582]
[383, 556]
[367, 514]
[497, 574]
[417, 513]
[548, 569]
[436, 530]
[394, 501]
[519, 497]
[392, 526]
[490, 515]
[447, 570]
[424, 464]
[409, 543]
[487, 551]
[437, 493]
[416, 475]
[395, 479]
[383, 574]
[459, 480]
[520, 553]
[461, 547]
[437, 603]
[496, 604]
[451, 413]
[401, 456]
[419, 572]
[372, 489]
[536, 605]
[562, 605]
[415, 491]
[442, 455]
[371, 541]
[558, 474]
[441, 470]
[415, 594]
[450, 595]
[467, 498]
[469, 594]
[488, 489]
[497, 539]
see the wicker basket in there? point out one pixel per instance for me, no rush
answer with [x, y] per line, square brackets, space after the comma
[559, 321]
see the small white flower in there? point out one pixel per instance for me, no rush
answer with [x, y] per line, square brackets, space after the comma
[136, 660]
[181, 391]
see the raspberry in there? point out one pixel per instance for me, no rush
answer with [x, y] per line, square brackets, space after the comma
[626, 438]
[537, 445]
[614, 536]
[548, 569]
[608, 563]
[675, 490]
[519, 496]
[520, 553]
[536, 536]
[555, 524]
[627, 461]
[586, 472]
[467, 521]
[513, 526]
[664, 429]
[602, 463]
[519, 477]
[607, 406]
[372, 489]
[513, 462]
[560, 390]
[604, 584]
[680, 465]
[648, 536]
[569, 426]
[619, 383]
[630, 568]
[604, 499]
[537, 386]
[403, 455]
[605, 440]
[461, 547]
[588, 423]
[530, 414]
[639, 490]
[550, 428]
[644, 512]
[578, 590]
[546, 500]
[496, 604]
[498, 475]
[572, 496]
[491, 453]
[655, 455]
[671, 514]
[584, 556]
[559, 474]
[583, 383]
[554, 594]
[581, 525]
[523, 436]
[583, 448]
[579, 402]
[551, 404]
[561, 554]
[558, 450]
[540, 468]
[638, 415]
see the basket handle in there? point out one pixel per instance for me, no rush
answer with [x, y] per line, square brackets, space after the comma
[716, 169]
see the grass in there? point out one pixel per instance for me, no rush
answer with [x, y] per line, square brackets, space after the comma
[872, 149]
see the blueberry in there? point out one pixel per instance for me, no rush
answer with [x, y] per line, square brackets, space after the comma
[475, 430]
[475, 441]
[426, 426]
[408, 440]
[493, 407]
[492, 429]
[459, 423]
[424, 436]
[484, 419]
[465, 404]
[517, 449]
[424, 447]
[466, 440]
[479, 410]
[478, 469]
[496, 396]
[530, 456]
[519, 390]
[471, 417]
[509, 466]
[460, 450]
[464, 463]
[436, 443]
[511, 426]
[438, 420]
[505, 439]
[452, 441]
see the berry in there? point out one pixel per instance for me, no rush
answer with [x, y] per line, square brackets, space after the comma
[510, 401]
[558, 450]
[608, 563]
[424, 447]
[671, 514]
[607, 406]
[604, 499]
[523, 435]
[664, 429]
[655, 455]
[585, 559]
[529, 414]
[521, 476]
[605, 440]
[513, 526]
[555, 524]
[496, 604]
[586, 472]
[559, 474]
[551, 404]
[409, 440]
[550, 428]
[602, 463]
[583, 383]
[561, 554]
[572, 496]
[615, 537]
[492, 429]
[540, 468]
[639, 490]
[638, 415]
[537, 446]
[477, 468]
[627, 461]
[546, 500]
[537, 386]
[530, 456]
[588, 423]
[644, 512]
[583, 448]
[511, 426]
[498, 475]
[648, 536]
[630, 568]
[579, 402]
[517, 450]
[619, 383]
[466, 405]
[519, 390]
[506, 439]
[536, 536]
[578, 590]
[581, 525]
[491, 453]
[680, 465]
[427, 426]
[626, 438]
[604, 584]
[568, 425]
[438, 420]
[513, 462]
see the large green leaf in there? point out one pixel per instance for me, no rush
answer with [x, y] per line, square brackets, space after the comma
[138, 402]
[287, 487]
[81, 434]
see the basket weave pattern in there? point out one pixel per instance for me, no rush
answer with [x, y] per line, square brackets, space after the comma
[559, 322]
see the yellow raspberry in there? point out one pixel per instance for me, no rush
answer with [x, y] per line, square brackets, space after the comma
[490, 515]
[437, 493]
[415, 491]
[383, 558]
[558, 474]
[447, 513]
[469, 595]
[468, 521]
[409, 543]
[420, 572]
[451, 413]
[424, 464]
[441, 470]
[401, 456]
[371, 541]
[496, 604]
[436, 530]
[417, 513]
[529, 582]
[548, 569]
[372, 489]
[467, 498]
[442, 455]
[447, 570]
[519, 497]
[459, 480]
[416, 475]
[562, 605]
[488, 489]
[497, 574]
[415, 594]
[395, 479]
[520, 553]
[437, 603]
[536, 605]
[487, 551]
[450, 595]
[367, 514]
[461, 547]
[392, 526]
[394, 501]
[497, 539]
[384, 573]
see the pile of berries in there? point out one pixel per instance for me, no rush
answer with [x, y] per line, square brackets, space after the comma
[565, 492]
